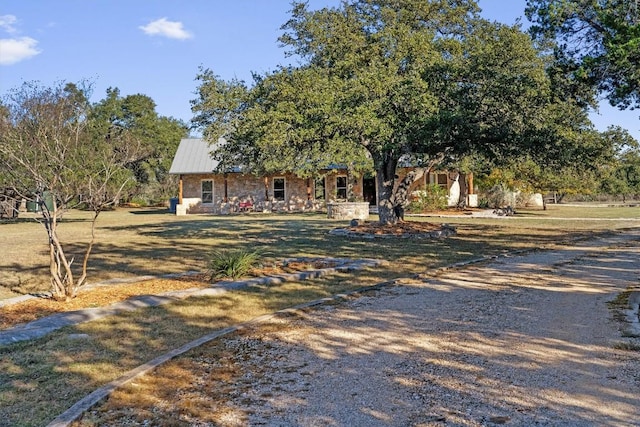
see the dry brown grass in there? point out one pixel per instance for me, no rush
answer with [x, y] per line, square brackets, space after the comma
[48, 375]
[106, 295]
[39, 379]
[37, 308]
[197, 387]
[135, 242]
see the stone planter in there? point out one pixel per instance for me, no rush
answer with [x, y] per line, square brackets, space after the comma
[348, 210]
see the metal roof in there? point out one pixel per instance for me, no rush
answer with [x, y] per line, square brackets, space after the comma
[194, 157]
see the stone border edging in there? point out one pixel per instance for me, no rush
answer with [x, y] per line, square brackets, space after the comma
[423, 276]
[41, 327]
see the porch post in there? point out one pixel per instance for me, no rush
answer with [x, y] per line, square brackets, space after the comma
[472, 198]
[226, 188]
[180, 190]
[266, 189]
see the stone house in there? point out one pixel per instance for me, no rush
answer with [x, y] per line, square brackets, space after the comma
[201, 190]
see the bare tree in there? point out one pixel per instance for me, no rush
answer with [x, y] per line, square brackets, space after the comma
[52, 155]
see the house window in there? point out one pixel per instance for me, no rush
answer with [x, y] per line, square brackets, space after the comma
[442, 180]
[278, 188]
[207, 191]
[318, 185]
[341, 187]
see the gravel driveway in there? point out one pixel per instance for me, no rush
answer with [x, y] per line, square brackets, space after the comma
[522, 340]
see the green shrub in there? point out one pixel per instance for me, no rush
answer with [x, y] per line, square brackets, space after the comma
[434, 197]
[500, 196]
[231, 263]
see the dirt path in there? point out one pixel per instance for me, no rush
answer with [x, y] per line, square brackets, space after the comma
[526, 340]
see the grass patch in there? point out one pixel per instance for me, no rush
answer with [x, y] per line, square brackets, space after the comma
[233, 264]
[586, 211]
[134, 242]
[621, 301]
[627, 346]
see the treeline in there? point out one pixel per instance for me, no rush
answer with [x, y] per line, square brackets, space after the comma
[55, 134]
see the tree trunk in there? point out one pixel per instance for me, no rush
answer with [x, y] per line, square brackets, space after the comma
[59, 266]
[386, 177]
[400, 198]
[63, 285]
[392, 201]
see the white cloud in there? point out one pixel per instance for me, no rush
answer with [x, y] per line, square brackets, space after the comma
[6, 23]
[170, 29]
[16, 50]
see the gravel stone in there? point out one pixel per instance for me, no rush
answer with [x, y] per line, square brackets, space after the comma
[522, 340]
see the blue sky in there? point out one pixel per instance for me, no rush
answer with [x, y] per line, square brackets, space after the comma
[155, 47]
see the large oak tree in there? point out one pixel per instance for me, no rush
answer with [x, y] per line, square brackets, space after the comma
[429, 82]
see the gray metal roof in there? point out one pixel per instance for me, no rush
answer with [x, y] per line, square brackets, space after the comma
[194, 157]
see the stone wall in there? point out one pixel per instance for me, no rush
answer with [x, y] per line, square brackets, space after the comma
[348, 210]
[243, 188]
[298, 192]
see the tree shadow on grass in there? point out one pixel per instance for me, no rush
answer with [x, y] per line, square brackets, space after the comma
[177, 244]
[152, 211]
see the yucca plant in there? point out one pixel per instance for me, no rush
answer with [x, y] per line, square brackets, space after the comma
[231, 263]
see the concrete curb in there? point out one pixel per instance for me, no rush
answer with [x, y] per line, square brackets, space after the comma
[41, 327]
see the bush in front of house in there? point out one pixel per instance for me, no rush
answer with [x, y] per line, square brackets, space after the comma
[499, 196]
[432, 198]
[231, 263]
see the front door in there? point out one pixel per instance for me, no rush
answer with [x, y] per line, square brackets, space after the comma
[369, 190]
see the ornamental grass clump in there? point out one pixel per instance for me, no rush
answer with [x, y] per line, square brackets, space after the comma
[232, 264]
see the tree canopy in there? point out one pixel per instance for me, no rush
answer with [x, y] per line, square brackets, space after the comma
[383, 81]
[156, 139]
[598, 42]
[621, 176]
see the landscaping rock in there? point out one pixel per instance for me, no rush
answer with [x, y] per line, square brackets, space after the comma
[508, 211]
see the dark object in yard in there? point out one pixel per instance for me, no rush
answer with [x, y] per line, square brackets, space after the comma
[508, 211]
[9, 204]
